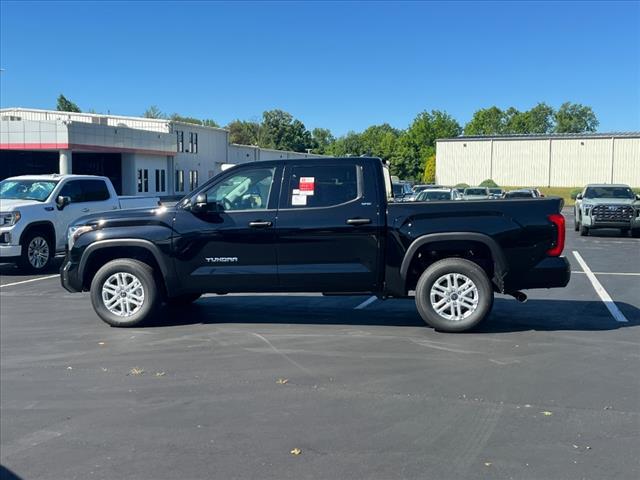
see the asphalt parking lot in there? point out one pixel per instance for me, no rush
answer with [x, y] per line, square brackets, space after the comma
[229, 387]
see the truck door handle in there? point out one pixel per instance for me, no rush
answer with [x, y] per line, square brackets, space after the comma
[85, 210]
[260, 224]
[358, 221]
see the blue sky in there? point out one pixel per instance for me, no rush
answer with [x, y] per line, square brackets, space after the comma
[339, 65]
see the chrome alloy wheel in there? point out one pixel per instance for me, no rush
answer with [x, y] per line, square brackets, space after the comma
[123, 294]
[454, 296]
[38, 252]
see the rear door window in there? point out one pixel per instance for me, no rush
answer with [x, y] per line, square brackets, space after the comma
[95, 191]
[322, 186]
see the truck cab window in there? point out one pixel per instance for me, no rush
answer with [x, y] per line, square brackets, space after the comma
[246, 190]
[322, 185]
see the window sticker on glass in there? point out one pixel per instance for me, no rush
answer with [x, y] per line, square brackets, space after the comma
[297, 200]
[307, 185]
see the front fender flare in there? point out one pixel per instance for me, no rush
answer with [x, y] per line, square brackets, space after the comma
[500, 265]
[123, 242]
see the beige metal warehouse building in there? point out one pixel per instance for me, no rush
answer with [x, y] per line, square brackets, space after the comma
[557, 160]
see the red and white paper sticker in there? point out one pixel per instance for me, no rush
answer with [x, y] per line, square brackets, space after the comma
[307, 185]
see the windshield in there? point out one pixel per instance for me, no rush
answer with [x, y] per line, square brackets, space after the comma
[433, 195]
[397, 189]
[475, 191]
[608, 192]
[26, 189]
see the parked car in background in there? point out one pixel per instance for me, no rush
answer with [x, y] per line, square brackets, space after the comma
[607, 206]
[402, 192]
[521, 193]
[419, 188]
[538, 193]
[477, 193]
[430, 195]
[496, 192]
[36, 211]
[316, 225]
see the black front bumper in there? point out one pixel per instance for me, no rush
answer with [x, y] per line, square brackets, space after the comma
[551, 272]
[70, 276]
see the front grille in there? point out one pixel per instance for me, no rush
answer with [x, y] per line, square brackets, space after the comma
[612, 213]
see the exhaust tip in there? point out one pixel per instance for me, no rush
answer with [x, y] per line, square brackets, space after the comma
[519, 296]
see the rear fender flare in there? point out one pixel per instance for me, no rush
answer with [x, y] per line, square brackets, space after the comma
[500, 266]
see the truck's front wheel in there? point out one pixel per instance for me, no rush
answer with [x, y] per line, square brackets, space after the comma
[454, 295]
[124, 293]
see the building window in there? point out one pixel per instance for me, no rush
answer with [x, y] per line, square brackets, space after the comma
[193, 179]
[160, 181]
[193, 142]
[143, 180]
[180, 135]
[179, 180]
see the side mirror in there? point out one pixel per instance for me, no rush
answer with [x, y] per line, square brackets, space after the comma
[638, 197]
[579, 196]
[62, 201]
[199, 204]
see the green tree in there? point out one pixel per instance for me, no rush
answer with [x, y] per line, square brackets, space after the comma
[244, 133]
[154, 112]
[322, 139]
[489, 183]
[283, 132]
[539, 119]
[429, 175]
[66, 105]
[487, 121]
[196, 121]
[575, 118]
[418, 142]
[347, 145]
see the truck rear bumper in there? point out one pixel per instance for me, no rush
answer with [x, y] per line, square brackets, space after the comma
[552, 272]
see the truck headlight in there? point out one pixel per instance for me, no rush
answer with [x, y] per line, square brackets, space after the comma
[8, 219]
[75, 231]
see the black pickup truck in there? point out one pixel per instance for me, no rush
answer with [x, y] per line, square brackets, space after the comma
[316, 225]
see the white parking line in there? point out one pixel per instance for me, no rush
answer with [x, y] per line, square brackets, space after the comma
[602, 293]
[610, 273]
[29, 281]
[366, 303]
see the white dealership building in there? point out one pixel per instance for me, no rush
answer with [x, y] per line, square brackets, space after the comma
[142, 156]
[557, 160]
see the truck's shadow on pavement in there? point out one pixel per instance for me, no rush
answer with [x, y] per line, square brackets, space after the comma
[507, 315]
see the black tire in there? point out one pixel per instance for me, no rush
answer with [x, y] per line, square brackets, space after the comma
[635, 232]
[38, 252]
[182, 300]
[576, 223]
[452, 266]
[584, 231]
[624, 232]
[140, 271]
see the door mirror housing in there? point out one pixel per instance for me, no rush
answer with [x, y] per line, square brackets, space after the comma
[200, 205]
[62, 201]
[638, 196]
[579, 196]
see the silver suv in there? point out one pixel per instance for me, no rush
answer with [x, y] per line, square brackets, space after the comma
[607, 206]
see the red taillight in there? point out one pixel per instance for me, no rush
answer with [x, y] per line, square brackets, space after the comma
[558, 246]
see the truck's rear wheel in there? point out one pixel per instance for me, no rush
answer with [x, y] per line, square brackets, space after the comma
[37, 252]
[454, 295]
[584, 231]
[124, 293]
